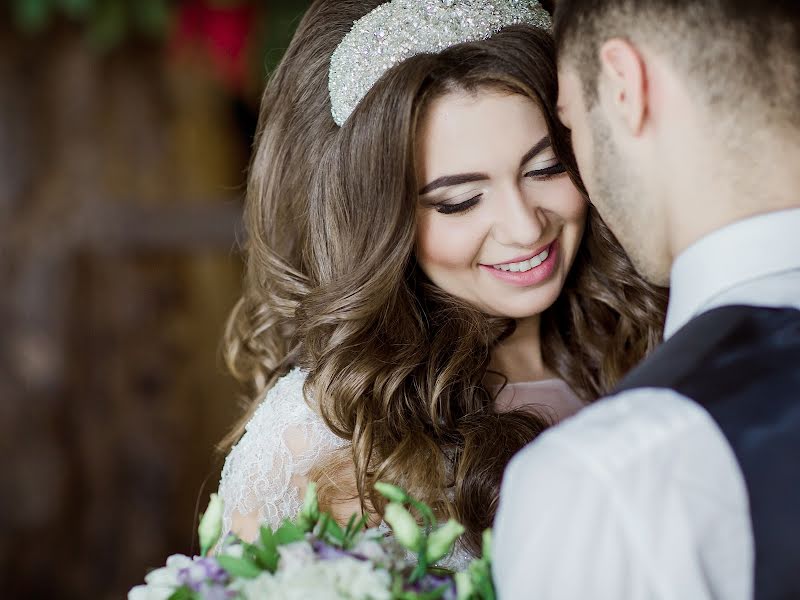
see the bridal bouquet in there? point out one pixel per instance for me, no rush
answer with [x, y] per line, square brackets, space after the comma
[313, 558]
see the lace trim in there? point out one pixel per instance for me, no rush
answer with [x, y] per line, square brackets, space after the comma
[282, 442]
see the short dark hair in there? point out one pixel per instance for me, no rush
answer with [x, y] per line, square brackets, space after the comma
[739, 54]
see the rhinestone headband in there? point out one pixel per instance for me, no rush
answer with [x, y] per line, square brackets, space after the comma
[397, 30]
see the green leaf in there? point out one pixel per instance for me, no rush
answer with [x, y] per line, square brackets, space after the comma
[433, 594]
[465, 589]
[268, 550]
[32, 16]
[425, 511]
[440, 542]
[481, 577]
[239, 567]
[404, 526]
[311, 501]
[334, 531]
[265, 559]
[108, 27]
[288, 533]
[322, 525]
[392, 493]
[350, 524]
[354, 529]
[422, 564]
[151, 17]
[76, 9]
[184, 593]
[266, 537]
[397, 585]
[487, 545]
[486, 589]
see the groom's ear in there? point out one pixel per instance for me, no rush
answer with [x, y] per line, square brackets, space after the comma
[623, 84]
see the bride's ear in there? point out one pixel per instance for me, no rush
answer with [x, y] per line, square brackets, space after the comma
[623, 84]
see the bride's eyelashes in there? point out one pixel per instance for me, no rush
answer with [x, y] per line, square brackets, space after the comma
[550, 171]
[461, 207]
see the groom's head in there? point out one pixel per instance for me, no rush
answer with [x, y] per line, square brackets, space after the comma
[673, 104]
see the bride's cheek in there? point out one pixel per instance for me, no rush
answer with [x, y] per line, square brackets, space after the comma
[446, 244]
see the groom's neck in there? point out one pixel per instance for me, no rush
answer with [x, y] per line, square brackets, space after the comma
[733, 183]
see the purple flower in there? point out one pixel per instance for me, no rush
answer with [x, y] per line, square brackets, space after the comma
[327, 552]
[433, 582]
[215, 591]
[201, 573]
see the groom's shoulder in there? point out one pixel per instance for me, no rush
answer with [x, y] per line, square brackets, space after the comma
[665, 405]
[631, 430]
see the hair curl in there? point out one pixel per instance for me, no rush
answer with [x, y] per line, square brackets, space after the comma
[332, 283]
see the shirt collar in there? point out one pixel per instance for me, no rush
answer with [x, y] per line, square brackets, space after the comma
[744, 251]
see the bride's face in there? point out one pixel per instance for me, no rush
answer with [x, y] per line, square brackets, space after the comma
[498, 221]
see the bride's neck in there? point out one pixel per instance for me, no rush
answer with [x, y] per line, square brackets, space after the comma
[519, 357]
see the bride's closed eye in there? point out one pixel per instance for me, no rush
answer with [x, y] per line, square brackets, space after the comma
[546, 172]
[460, 207]
[543, 173]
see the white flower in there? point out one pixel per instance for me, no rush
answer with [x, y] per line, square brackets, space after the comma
[234, 550]
[210, 527]
[146, 592]
[359, 580]
[161, 583]
[342, 578]
[296, 555]
[263, 586]
[372, 550]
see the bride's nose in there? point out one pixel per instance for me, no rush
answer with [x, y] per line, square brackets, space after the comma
[519, 220]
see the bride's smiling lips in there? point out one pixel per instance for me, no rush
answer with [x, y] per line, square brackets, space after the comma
[528, 270]
[519, 259]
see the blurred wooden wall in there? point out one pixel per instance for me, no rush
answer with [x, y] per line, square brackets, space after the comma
[120, 179]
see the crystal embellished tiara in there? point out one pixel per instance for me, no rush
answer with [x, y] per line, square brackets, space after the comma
[397, 30]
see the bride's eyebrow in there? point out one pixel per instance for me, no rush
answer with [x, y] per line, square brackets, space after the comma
[451, 180]
[542, 144]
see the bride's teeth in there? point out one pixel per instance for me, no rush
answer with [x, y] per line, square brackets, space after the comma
[525, 265]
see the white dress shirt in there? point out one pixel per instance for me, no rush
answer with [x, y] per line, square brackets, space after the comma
[640, 496]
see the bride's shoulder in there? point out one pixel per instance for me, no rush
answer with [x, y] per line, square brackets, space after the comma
[286, 419]
[286, 398]
[266, 469]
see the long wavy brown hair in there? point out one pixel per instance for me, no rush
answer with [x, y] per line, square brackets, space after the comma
[397, 364]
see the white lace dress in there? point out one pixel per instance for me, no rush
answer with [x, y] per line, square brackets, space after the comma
[267, 470]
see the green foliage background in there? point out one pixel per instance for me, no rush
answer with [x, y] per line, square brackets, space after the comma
[106, 22]
[109, 23]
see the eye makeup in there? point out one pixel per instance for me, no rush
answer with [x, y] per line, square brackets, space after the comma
[452, 205]
[461, 207]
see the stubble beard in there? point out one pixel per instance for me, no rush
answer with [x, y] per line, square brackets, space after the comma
[618, 198]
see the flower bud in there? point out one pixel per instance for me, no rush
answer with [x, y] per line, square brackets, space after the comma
[310, 508]
[210, 527]
[487, 545]
[464, 586]
[404, 526]
[308, 516]
[441, 541]
[392, 493]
